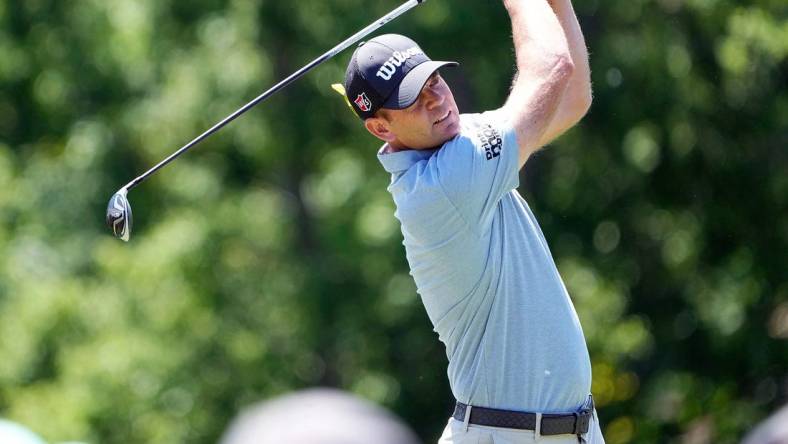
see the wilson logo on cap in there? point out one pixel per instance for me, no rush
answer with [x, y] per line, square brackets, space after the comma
[363, 102]
[395, 61]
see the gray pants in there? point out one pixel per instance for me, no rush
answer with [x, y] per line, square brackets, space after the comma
[456, 433]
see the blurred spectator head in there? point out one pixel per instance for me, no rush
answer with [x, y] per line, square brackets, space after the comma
[317, 416]
[773, 430]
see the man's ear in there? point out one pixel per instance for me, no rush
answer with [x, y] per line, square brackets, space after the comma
[379, 127]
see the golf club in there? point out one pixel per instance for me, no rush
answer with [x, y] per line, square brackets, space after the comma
[119, 210]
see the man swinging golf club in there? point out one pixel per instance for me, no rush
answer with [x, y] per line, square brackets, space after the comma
[518, 362]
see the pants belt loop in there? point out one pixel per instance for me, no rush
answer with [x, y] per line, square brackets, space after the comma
[538, 427]
[467, 419]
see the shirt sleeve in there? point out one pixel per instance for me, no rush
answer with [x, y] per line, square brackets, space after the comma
[477, 168]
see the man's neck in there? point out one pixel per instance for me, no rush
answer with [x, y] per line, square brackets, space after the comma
[389, 148]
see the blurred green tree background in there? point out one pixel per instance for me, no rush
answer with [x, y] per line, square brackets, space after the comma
[268, 259]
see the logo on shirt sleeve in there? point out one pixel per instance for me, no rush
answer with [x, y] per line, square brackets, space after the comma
[491, 141]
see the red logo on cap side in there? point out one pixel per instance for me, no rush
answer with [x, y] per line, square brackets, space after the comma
[363, 102]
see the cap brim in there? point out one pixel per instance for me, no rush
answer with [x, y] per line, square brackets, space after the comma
[409, 89]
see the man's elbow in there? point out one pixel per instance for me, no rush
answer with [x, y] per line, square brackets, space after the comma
[579, 101]
[572, 111]
[584, 101]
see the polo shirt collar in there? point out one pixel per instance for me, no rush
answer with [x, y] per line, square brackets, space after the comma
[402, 160]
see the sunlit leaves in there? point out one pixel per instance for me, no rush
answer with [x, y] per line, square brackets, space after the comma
[268, 258]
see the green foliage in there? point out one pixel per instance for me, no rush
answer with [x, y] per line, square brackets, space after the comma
[268, 259]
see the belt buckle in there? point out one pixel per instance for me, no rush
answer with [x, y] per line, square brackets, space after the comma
[576, 425]
[582, 418]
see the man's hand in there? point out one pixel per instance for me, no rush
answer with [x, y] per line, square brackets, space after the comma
[544, 68]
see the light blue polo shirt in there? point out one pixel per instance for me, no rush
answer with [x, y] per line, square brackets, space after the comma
[485, 273]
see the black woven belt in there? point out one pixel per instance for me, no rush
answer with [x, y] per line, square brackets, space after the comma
[552, 424]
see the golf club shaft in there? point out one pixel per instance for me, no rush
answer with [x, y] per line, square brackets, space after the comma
[331, 53]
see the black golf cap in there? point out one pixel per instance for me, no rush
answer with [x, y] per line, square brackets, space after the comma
[388, 71]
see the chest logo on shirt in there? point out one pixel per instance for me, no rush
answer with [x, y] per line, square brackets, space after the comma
[491, 141]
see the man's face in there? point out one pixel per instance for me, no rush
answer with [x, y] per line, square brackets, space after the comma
[428, 123]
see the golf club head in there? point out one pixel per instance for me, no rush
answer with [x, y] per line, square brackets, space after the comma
[119, 215]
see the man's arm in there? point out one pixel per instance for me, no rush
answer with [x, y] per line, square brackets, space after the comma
[544, 69]
[577, 98]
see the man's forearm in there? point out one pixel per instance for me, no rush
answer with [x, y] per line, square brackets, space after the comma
[579, 89]
[576, 99]
[544, 67]
[539, 40]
